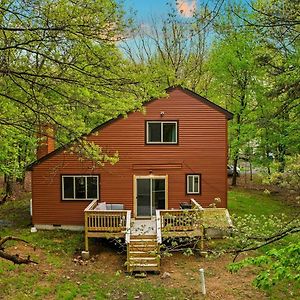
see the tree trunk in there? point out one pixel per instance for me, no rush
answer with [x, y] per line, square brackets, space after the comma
[9, 185]
[21, 180]
[268, 162]
[251, 171]
[281, 157]
[234, 175]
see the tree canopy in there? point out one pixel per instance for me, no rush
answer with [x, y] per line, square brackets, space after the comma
[60, 65]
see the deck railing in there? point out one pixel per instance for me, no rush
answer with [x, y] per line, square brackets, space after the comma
[179, 220]
[176, 222]
[106, 223]
[105, 220]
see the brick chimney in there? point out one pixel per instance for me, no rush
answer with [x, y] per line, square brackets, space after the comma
[46, 141]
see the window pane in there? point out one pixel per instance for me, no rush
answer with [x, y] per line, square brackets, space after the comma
[68, 185]
[190, 184]
[92, 187]
[154, 132]
[80, 187]
[143, 197]
[169, 131]
[196, 184]
[158, 194]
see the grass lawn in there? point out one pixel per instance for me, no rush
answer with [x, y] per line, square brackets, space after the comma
[243, 202]
[59, 275]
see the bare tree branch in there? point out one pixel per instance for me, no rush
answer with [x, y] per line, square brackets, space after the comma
[16, 259]
[268, 241]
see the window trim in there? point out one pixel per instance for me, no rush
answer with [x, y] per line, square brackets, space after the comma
[74, 176]
[187, 184]
[161, 131]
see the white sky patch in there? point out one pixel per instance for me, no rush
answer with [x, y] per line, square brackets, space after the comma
[186, 8]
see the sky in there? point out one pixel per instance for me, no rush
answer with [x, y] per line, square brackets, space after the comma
[156, 8]
[148, 10]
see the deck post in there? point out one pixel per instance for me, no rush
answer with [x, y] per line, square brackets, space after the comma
[200, 243]
[158, 227]
[202, 237]
[86, 239]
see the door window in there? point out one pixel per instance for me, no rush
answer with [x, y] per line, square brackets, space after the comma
[151, 195]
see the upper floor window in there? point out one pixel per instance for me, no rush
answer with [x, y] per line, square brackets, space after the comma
[193, 183]
[80, 187]
[161, 132]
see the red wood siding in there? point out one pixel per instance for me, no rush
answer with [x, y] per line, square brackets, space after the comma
[202, 148]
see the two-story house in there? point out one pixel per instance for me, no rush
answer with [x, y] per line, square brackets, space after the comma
[175, 151]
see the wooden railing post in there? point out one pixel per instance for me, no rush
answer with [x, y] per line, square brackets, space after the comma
[127, 232]
[86, 239]
[158, 227]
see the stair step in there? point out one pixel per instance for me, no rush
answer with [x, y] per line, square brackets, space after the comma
[143, 236]
[144, 268]
[152, 243]
[143, 240]
[143, 265]
[142, 248]
[143, 253]
[142, 243]
[142, 258]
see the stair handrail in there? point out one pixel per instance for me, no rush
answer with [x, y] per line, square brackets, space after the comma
[91, 206]
[196, 204]
[127, 232]
[158, 227]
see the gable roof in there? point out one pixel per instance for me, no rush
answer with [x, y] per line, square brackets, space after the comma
[228, 115]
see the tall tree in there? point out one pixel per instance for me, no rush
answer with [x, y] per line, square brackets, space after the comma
[58, 56]
[175, 48]
[234, 84]
[277, 27]
[60, 65]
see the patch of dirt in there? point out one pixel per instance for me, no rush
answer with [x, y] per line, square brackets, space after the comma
[220, 283]
[184, 271]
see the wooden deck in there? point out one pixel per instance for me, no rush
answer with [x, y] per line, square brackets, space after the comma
[144, 237]
[106, 223]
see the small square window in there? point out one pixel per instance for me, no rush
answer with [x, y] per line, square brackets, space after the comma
[161, 132]
[193, 183]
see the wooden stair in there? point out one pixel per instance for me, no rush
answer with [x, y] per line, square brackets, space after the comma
[143, 254]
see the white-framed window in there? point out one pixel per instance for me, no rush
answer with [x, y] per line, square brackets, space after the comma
[193, 183]
[80, 187]
[161, 132]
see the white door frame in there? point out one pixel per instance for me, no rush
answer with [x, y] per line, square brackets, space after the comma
[135, 177]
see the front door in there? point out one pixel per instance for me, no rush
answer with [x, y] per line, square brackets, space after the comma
[150, 195]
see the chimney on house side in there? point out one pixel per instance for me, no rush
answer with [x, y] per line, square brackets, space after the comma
[46, 141]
